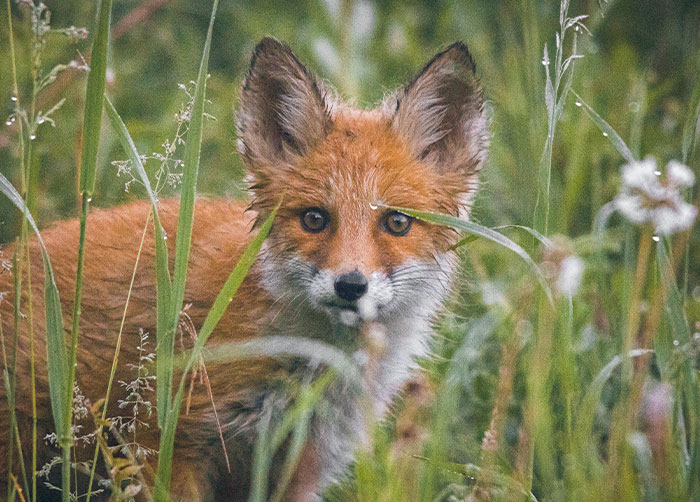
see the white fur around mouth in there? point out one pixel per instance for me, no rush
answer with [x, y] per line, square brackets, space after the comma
[346, 313]
[352, 314]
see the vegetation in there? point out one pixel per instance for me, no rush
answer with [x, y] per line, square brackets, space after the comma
[566, 365]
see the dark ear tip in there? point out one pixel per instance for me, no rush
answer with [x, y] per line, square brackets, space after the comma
[267, 50]
[268, 44]
[269, 47]
[459, 51]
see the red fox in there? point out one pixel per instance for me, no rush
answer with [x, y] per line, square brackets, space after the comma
[336, 263]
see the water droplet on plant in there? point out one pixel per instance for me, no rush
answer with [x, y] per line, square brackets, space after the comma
[40, 120]
[656, 238]
[165, 237]
[605, 134]
[8, 122]
[32, 136]
[676, 343]
[578, 103]
[14, 99]
[89, 199]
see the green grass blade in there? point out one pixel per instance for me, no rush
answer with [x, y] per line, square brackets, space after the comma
[691, 128]
[127, 144]
[93, 99]
[587, 409]
[446, 220]
[57, 361]
[163, 285]
[606, 129]
[92, 122]
[545, 241]
[223, 299]
[286, 346]
[295, 423]
[184, 224]
[675, 310]
[189, 175]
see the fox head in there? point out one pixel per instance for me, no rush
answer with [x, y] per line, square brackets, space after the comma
[333, 246]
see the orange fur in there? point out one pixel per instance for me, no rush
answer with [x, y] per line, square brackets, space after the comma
[301, 143]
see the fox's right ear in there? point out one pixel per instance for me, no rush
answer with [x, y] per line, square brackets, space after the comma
[282, 112]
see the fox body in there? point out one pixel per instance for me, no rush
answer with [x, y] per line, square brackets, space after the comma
[337, 267]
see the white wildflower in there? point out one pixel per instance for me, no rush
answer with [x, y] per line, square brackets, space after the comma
[647, 197]
[570, 275]
[679, 174]
[562, 266]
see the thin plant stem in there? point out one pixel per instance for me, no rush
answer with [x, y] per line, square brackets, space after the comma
[16, 267]
[117, 349]
[14, 433]
[94, 98]
[651, 324]
[633, 317]
[26, 176]
[32, 369]
[66, 443]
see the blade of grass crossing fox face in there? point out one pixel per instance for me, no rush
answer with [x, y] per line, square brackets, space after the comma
[57, 356]
[546, 242]
[446, 220]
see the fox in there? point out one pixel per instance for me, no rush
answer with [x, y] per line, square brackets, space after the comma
[338, 267]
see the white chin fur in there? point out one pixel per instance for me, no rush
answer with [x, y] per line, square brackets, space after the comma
[349, 317]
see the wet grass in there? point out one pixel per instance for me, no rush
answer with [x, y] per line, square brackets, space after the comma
[566, 364]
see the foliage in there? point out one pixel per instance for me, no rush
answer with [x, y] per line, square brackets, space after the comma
[591, 395]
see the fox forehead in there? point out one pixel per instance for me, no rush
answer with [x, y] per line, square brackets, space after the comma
[362, 161]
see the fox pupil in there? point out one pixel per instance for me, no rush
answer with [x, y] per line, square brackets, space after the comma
[397, 223]
[314, 220]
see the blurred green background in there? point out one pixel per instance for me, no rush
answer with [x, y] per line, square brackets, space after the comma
[641, 64]
[638, 71]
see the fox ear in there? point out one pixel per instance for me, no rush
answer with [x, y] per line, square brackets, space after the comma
[440, 113]
[282, 109]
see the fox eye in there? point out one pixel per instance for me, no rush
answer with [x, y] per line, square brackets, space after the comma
[314, 219]
[397, 223]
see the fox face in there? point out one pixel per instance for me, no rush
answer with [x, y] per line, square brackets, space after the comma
[335, 246]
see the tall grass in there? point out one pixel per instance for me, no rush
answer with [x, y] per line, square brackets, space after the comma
[94, 96]
[572, 378]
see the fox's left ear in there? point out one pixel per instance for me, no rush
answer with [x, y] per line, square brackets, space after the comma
[440, 113]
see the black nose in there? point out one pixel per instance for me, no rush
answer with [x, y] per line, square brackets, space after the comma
[351, 286]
